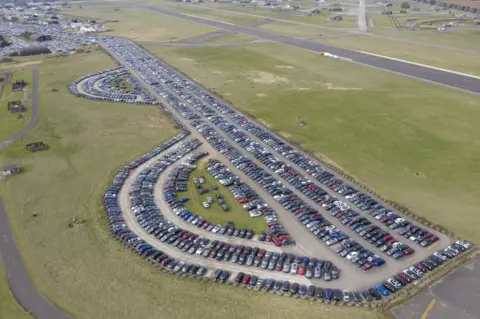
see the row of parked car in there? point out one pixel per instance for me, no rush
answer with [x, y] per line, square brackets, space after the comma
[166, 231]
[178, 176]
[97, 86]
[314, 220]
[165, 80]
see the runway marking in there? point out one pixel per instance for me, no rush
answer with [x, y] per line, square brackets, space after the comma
[428, 309]
[422, 65]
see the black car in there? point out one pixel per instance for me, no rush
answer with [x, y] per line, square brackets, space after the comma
[224, 275]
[294, 288]
[239, 277]
[285, 286]
[320, 292]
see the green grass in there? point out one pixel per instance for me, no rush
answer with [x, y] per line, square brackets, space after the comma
[414, 142]
[287, 28]
[450, 59]
[461, 37]
[9, 308]
[142, 25]
[123, 83]
[232, 38]
[230, 17]
[82, 269]
[215, 213]
[322, 20]
[9, 123]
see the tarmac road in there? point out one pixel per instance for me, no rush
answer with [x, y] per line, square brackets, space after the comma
[425, 73]
[22, 288]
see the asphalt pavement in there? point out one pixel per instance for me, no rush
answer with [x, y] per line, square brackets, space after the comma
[20, 284]
[425, 73]
[456, 296]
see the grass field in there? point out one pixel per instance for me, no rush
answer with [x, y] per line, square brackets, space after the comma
[82, 269]
[461, 37]
[230, 17]
[414, 142]
[215, 213]
[298, 30]
[232, 38]
[451, 59]
[322, 19]
[9, 123]
[141, 25]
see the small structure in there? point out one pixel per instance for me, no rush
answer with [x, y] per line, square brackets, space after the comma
[40, 37]
[36, 146]
[387, 12]
[35, 50]
[336, 18]
[10, 170]
[19, 85]
[16, 107]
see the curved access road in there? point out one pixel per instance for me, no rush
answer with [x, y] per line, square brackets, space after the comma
[20, 284]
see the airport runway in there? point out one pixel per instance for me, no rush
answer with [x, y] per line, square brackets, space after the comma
[442, 77]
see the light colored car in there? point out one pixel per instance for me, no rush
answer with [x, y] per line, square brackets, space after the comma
[209, 200]
[463, 243]
[395, 283]
[351, 255]
[439, 256]
[346, 296]
[294, 268]
[205, 204]
[216, 229]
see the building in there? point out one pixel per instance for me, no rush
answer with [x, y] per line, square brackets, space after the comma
[36, 146]
[16, 107]
[19, 85]
[33, 50]
[10, 170]
[40, 37]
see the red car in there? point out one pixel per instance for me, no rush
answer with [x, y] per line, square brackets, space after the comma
[367, 266]
[301, 269]
[387, 237]
[246, 279]
[404, 277]
[408, 251]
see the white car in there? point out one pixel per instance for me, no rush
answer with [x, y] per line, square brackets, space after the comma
[351, 255]
[216, 229]
[255, 213]
[209, 200]
[205, 204]
[395, 283]
[346, 296]
[463, 243]
[416, 271]
[399, 220]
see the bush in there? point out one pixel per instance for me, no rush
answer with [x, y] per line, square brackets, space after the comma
[405, 5]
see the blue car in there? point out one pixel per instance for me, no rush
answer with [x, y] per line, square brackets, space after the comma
[378, 262]
[328, 294]
[382, 290]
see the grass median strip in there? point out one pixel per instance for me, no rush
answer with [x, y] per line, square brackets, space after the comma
[215, 213]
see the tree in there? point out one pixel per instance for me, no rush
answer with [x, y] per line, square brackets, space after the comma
[405, 5]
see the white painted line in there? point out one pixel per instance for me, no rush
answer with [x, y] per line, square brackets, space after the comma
[423, 65]
[199, 17]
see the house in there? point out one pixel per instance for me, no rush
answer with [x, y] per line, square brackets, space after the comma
[36, 146]
[16, 107]
[18, 85]
[10, 170]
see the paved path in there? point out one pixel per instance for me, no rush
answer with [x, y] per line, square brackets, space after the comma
[22, 288]
[425, 73]
[455, 296]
